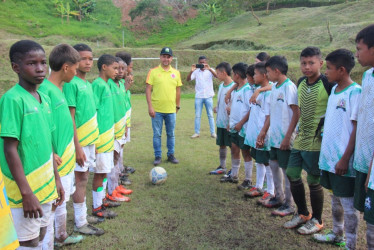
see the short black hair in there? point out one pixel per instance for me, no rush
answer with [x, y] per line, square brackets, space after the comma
[126, 57]
[311, 51]
[263, 56]
[240, 69]
[202, 58]
[119, 59]
[105, 59]
[63, 53]
[82, 47]
[225, 66]
[278, 62]
[20, 48]
[342, 58]
[261, 67]
[366, 35]
[251, 70]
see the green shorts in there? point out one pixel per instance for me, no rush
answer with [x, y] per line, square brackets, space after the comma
[239, 141]
[260, 156]
[282, 156]
[341, 186]
[369, 207]
[360, 192]
[223, 137]
[308, 160]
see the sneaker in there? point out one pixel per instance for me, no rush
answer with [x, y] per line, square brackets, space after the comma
[157, 161]
[103, 212]
[230, 179]
[284, 210]
[218, 171]
[266, 197]
[330, 238]
[94, 220]
[125, 181]
[122, 190]
[172, 159]
[129, 169]
[253, 192]
[247, 184]
[311, 227]
[272, 203]
[194, 136]
[116, 196]
[69, 241]
[108, 203]
[297, 220]
[89, 230]
[213, 135]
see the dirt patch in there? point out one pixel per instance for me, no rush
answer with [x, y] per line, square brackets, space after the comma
[229, 45]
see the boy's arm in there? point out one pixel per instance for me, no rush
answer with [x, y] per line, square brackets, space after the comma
[342, 165]
[80, 155]
[228, 93]
[59, 187]
[148, 94]
[285, 144]
[178, 99]
[257, 92]
[261, 136]
[240, 124]
[193, 68]
[31, 205]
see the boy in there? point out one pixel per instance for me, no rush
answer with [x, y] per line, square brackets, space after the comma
[223, 138]
[284, 115]
[108, 69]
[63, 61]
[257, 137]
[80, 99]
[365, 136]
[338, 143]
[313, 92]
[26, 126]
[239, 113]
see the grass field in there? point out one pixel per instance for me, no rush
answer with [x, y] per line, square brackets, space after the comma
[192, 210]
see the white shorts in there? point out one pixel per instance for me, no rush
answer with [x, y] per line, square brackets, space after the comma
[89, 151]
[118, 143]
[128, 137]
[29, 229]
[104, 163]
[68, 183]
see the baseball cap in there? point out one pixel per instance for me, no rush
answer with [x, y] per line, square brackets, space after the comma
[166, 51]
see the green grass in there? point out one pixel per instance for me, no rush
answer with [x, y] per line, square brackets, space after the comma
[192, 210]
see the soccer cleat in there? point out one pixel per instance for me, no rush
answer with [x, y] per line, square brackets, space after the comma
[89, 230]
[125, 180]
[194, 136]
[272, 203]
[157, 161]
[213, 135]
[218, 171]
[330, 238]
[172, 159]
[108, 203]
[311, 227]
[122, 190]
[297, 220]
[283, 210]
[253, 192]
[230, 179]
[116, 196]
[129, 169]
[69, 241]
[266, 197]
[94, 220]
[103, 212]
[246, 184]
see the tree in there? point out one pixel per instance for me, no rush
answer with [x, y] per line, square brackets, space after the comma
[213, 9]
[84, 8]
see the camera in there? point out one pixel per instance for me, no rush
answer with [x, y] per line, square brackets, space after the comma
[199, 66]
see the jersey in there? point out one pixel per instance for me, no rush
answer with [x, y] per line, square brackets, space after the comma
[222, 120]
[22, 117]
[63, 135]
[281, 98]
[342, 109]
[365, 123]
[79, 95]
[129, 109]
[119, 108]
[312, 102]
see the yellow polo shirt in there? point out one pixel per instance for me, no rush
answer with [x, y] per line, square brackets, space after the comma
[164, 84]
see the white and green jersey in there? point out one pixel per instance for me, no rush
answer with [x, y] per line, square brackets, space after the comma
[240, 107]
[342, 109]
[371, 179]
[256, 120]
[222, 117]
[281, 98]
[365, 123]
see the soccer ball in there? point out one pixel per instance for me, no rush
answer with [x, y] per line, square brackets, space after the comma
[158, 175]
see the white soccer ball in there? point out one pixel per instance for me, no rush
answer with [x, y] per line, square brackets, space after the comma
[158, 175]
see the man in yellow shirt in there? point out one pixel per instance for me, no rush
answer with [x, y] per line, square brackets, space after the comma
[163, 98]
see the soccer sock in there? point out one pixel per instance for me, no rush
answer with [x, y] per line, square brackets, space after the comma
[260, 175]
[112, 181]
[370, 235]
[248, 167]
[97, 198]
[49, 239]
[80, 213]
[103, 191]
[278, 179]
[269, 180]
[222, 157]
[60, 222]
[337, 216]
[287, 189]
[351, 218]
[235, 165]
[316, 200]
[298, 193]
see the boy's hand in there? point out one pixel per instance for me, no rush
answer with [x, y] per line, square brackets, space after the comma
[193, 67]
[31, 206]
[238, 127]
[228, 109]
[285, 144]
[254, 96]
[60, 192]
[341, 168]
[151, 112]
[260, 140]
[80, 156]
[227, 99]
[206, 66]
[215, 109]
[57, 159]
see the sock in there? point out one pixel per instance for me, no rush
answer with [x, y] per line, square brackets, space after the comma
[222, 157]
[316, 200]
[97, 199]
[112, 181]
[103, 191]
[269, 180]
[248, 167]
[60, 222]
[298, 193]
[337, 216]
[49, 239]
[80, 213]
[351, 218]
[260, 175]
[287, 189]
[370, 235]
[277, 179]
[235, 165]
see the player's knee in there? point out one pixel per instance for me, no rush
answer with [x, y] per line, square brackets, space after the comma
[293, 174]
[312, 179]
[30, 243]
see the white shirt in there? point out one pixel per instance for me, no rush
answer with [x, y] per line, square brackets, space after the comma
[222, 117]
[204, 83]
[342, 109]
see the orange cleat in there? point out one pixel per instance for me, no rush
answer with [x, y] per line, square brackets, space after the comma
[116, 196]
[122, 190]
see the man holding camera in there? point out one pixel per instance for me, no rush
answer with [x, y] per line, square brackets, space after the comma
[203, 76]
